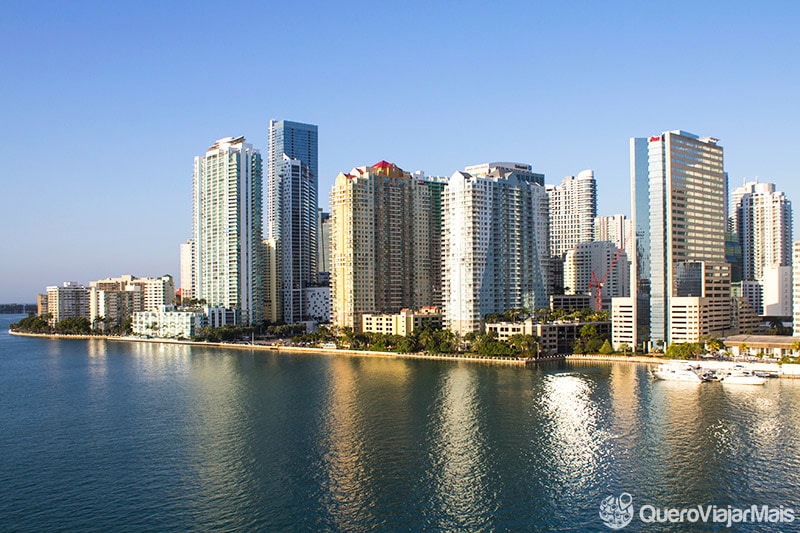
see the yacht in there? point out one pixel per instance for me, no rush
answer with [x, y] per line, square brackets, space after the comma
[739, 376]
[680, 372]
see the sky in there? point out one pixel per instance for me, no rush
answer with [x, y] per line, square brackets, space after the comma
[103, 105]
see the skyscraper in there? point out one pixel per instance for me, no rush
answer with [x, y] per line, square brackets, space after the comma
[490, 252]
[764, 225]
[380, 252]
[688, 276]
[292, 219]
[227, 228]
[573, 208]
[763, 222]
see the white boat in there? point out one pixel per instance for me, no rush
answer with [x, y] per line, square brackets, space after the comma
[742, 377]
[679, 372]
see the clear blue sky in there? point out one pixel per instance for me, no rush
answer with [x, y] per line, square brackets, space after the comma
[104, 104]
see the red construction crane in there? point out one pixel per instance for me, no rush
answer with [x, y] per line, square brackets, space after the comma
[597, 284]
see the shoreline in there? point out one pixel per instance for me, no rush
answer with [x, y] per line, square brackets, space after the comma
[788, 370]
[299, 349]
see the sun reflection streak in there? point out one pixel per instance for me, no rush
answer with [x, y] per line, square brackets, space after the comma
[346, 499]
[459, 454]
[576, 441]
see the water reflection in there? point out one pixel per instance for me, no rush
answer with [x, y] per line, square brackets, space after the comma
[159, 361]
[221, 467]
[345, 472]
[576, 442]
[458, 455]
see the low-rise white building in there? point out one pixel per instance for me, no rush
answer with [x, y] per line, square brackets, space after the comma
[168, 323]
[775, 346]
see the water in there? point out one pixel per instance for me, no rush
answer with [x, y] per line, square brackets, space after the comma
[98, 435]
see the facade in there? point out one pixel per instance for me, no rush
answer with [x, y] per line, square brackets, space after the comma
[114, 300]
[617, 229]
[187, 271]
[167, 323]
[296, 141]
[570, 302]
[70, 300]
[552, 278]
[295, 227]
[774, 346]
[402, 323]
[553, 337]
[380, 249]
[317, 304]
[684, 180]
[796, 288]
[594, 259]
[292, 213]
[227, 228]
[624, 323]
[763, 222]
[156, 291]
[436, 185]
[763, 219]
[41, 304]
[271, 261]
[324, 245]
[776, 282]
[490, 248]
[753, 293]
[111, 307]
[744, 320]
[573, 208]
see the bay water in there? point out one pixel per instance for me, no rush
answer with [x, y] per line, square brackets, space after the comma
[100, 435]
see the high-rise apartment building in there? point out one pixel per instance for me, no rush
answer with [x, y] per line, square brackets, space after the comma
[436, 185]
[682, 225]
[763, 222]
[573, 208]
[70, 300]
[187, 271]
[541, 210]
[590, 260]
[490, 248]
[764, 225]
[292, 204]
[380, 252]
[227, 228]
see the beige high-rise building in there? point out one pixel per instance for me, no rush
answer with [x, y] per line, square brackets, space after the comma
[69, 300]
[380, 253]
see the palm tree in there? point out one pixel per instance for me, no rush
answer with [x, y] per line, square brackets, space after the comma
[714, 345]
